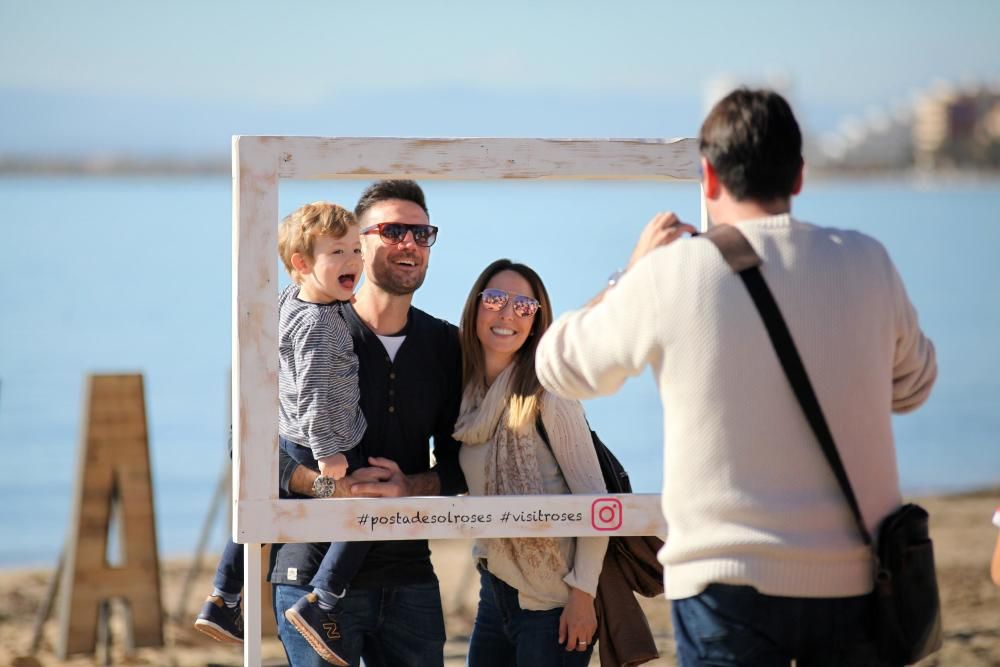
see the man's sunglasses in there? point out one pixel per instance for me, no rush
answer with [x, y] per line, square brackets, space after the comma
[393, 233]
[496, 299]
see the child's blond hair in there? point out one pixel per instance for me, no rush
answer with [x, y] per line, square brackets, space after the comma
[300, 229]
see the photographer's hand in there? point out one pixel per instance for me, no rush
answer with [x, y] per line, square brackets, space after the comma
[663, 229]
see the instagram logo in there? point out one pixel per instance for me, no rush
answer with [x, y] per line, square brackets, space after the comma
[606, 514]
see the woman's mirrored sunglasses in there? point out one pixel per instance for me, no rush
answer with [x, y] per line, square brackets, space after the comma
[496, 299]
[393, 233]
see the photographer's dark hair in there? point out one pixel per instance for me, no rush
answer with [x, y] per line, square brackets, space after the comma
[381, 191]
[754, 144]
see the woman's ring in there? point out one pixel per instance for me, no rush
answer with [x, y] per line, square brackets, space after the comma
[582, 643]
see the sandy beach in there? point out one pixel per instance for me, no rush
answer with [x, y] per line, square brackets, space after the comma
[960, 526]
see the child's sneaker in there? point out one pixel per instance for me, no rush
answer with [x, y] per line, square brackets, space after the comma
[319, 627]
[220, 621]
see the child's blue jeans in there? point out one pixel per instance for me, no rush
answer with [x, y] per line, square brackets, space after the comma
[340, 563]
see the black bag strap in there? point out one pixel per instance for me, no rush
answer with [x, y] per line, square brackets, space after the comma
[544, 434]
[743, 260]
[615, 476]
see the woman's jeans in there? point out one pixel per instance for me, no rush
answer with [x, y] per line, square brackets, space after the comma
[730, 626]
[506, 635]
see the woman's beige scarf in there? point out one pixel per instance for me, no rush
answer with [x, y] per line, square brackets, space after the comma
[511, 469]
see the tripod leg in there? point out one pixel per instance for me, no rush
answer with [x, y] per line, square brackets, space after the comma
[46, 609]
[206, 528]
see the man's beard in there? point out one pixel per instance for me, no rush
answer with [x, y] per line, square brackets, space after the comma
[385, 278]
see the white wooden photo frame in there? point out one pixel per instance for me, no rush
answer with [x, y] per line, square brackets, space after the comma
[259, 516]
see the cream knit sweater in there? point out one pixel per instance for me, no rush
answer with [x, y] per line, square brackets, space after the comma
[571, 466]
[747, 494]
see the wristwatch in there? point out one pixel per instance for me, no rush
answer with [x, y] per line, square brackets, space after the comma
[323, 486]
[615, 277]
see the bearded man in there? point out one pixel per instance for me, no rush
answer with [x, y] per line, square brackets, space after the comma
[410, 380]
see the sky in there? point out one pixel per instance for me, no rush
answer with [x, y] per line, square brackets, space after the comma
[179, 78]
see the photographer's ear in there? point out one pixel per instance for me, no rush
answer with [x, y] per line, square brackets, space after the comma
[709, 179]
[799, 178]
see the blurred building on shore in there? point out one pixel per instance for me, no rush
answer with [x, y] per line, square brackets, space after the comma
[947, 127]
[958, 127]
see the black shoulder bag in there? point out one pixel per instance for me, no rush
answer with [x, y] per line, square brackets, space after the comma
[614, 473]
[905, 596]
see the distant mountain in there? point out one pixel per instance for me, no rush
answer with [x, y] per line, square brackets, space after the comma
[77, 126]
[101, 129]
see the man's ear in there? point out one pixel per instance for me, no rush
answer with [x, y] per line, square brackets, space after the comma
[709, 179]
[301, 263]
[799, 178]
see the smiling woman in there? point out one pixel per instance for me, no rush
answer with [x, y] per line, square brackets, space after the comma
[505, 320]
[537, 594]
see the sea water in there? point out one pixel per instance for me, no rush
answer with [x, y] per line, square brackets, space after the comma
[134, 275]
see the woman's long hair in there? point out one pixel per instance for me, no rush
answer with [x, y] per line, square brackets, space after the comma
[525, 387]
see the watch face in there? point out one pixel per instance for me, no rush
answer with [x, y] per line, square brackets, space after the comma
[323, 487]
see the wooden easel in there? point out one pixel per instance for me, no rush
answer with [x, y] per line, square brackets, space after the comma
[113, 478]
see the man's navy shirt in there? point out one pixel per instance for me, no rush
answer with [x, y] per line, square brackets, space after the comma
[406, 403]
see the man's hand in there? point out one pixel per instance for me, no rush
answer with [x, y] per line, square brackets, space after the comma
[663, 229]
[383, 479]
[376, 481]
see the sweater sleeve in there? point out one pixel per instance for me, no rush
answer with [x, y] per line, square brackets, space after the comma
[592, 351]
[914, 367]
[572, 446]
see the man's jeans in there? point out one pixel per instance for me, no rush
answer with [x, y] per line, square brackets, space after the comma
[388, 627]
[729, 626]
[506, 635]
